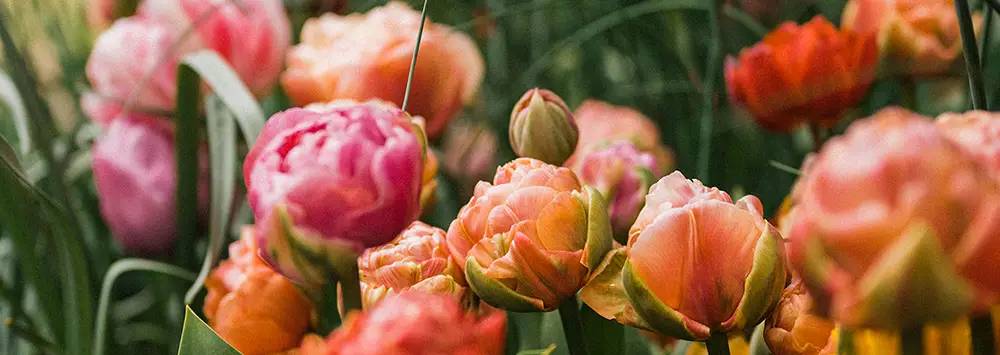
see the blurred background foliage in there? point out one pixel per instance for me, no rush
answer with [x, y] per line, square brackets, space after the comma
[655, 55]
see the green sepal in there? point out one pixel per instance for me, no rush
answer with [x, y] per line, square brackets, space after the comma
[496, 293]
[599, 235]
[605, 294]
[660, 317]
[316, 260]
[762, 288]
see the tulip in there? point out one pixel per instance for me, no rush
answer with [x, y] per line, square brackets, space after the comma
[348, 178]
[414, 323]
[136, 179]
[542, 127]
[601, 124]
[251, 35]
[366, 56]
[978, 134]
[793, 330]
[622, 173]
[469, 153]
[696, 266]
[894, 226]
[416, 260]
[529, 240]
[918, 37]
[251, 307]
[797, 74]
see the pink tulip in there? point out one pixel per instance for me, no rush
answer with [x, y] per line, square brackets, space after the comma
[601, 123]
[978, 134]
[415, 323]
[367, 56]
[350, 174]
[623, 174]
[135, 174]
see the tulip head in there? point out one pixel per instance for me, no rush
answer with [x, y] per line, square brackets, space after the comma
[247, 299]
[792, 329]
[798, 74]
[336, 180]
[623, 174]
[415, 323]
[542, 127]
[978, 134]
[601, 124]
[418, 259]
[695, 264]
[529, 240]
[893, 226]
[367, 56]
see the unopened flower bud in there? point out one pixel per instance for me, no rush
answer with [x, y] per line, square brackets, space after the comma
[542, 127]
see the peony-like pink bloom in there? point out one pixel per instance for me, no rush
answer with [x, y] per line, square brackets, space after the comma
[623, 174]
[978, 133]
[136, 177]
[601, 123]
[890, 215]
[367, 56]
[251, 35]
[350, 174]
[416, 260]
[415, 323]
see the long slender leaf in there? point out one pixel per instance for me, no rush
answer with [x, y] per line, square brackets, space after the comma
[12, 98]
[222, 154]
[227, 86]
[198, 338]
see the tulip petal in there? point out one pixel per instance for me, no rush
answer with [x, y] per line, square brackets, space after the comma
[605, 294]
[317, 260]
[599, 236]
[659, 316]
[764, 283]
[496, 293]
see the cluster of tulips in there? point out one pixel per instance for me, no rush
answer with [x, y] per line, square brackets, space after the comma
[893, 228]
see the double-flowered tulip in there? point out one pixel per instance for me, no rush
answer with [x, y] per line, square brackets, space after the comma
[253, 308]
[415, 323]
[793, 328]
[136, 178]
[798, 74]
[894, 226]
[416, 260]
[338, 179]
[697, 265]
[530, 240]
[601, 123]
[542, 127]
[978, 134]
[367, 56]
[918, 37]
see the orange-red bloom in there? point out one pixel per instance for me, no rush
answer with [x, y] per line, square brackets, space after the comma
[253, 308]
[367, 56]
[808, 73]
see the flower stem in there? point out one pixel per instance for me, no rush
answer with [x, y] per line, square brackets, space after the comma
[912, 339]
[971, 49]
[351, 293]
[413, 61]
[982, 335]
[569, 315]
[717, 344]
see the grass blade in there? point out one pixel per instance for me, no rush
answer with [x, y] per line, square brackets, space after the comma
[10, 96]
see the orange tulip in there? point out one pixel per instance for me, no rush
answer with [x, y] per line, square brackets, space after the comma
[895, 227]
[367, 56]
[253, 308]
[797, 74]
[792, 329]
[919, 37]
[978, 134]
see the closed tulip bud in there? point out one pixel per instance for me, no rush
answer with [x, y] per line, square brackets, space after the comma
[367, 56]
[894, 226]
[803, 74]
[978, 134]
[542, 127]
[246, 299]
[332, 182]
[416, 260]
[622, 173]
[792, 329]
[415, 323]
[530, 239]
[697, 265]
[136, 178]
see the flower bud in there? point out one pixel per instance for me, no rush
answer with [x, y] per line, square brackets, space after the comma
[251, 307]
[529, 240]
[695, 264]
[416, 260]
[333, 181]
[542, 127]
[415, 323]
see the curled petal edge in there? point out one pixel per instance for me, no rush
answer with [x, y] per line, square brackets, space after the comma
[660, 317]
[599, 235]
[496, 293]
[763, 286]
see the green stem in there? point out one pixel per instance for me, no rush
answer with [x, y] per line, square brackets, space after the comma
[983, 342]
[717, 344]
[971, 50]
[912, 339]
[845, 345]
[351, 293]
[413, 61]
[569, 315]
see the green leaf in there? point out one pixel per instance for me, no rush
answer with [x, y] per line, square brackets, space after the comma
[12, 98]
[224, 82]
[222, 154]
[197, 338]
[547, 351]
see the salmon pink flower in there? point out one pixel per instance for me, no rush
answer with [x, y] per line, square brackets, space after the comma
[529, 240]
[895, 227]
[415, 323]
[977, 133]
[797, 74]
[601, 123]
[416, 260]
[349, 176]
[367, 56]
[697, 265]
[253, 308]
[623, 173]
[792, 329]
[136, 179]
